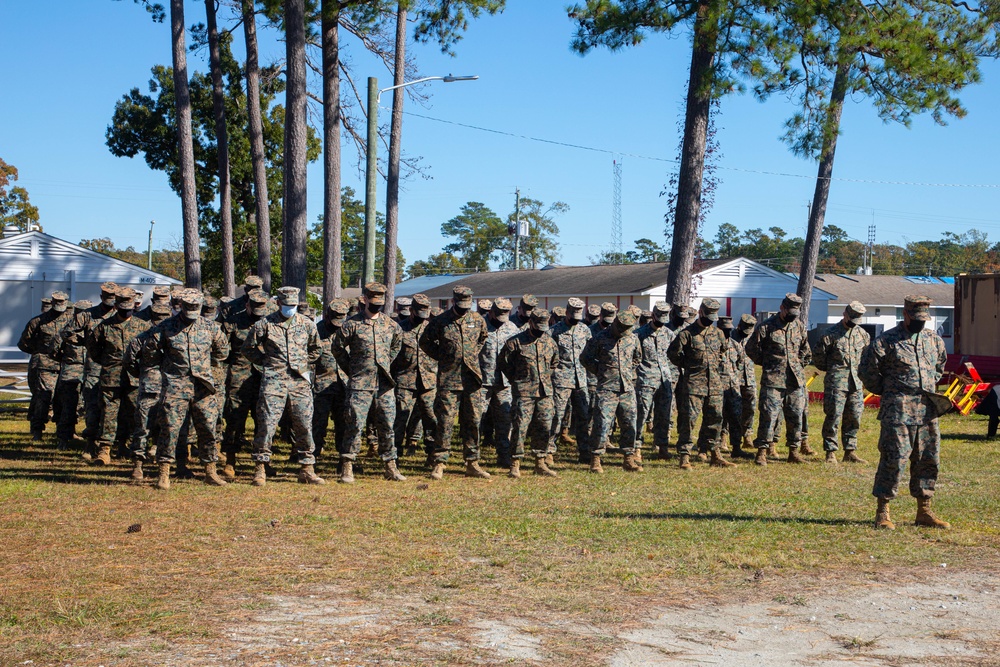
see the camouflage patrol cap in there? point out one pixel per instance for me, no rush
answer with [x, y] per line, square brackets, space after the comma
[647, 315]
[462, 296]
[575, 308]
[594, 310]
[109, 288]
[288, 296]
[338, 309]
[529, 301]
[435, 311]
[484, 305]
[161, 293]
[626, 318]
[855, 311]
[747, 322]
[83, 304]
[792, 303]
[559, 312]
[375, 294]
[253, 282]
[608, 312]
[540, 319]
[257, 302]
[422, 305]
[918, 307]
[353, 303]
[160, 311]
[192, 299]
[305, 309]
[635, 310]
[501, 309]
[47, 300]
[403, 304]
[725, 322]
[710, 308]
[59, 301]
[125, 298]
[661, 312]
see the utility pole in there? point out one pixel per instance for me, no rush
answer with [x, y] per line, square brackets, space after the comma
[517, 224]
[149, 252]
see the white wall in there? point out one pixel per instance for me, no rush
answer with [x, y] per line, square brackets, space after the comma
[941, 321]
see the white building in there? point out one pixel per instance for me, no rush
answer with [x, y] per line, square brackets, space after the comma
[883, 298]
[33, 265]
[741, 285]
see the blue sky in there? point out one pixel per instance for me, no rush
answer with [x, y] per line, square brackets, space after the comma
[67, 63]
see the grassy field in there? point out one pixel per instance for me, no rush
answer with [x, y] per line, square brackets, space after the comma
[410, 565]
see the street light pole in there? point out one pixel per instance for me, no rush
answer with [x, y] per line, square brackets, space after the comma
[149, 261]
[371, 157]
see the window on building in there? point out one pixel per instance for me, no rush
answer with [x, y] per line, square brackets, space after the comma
[942, 321]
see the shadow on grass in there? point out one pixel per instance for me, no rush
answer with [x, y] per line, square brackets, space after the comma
[725, 516]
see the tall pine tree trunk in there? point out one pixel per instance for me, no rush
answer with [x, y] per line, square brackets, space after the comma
[294, 244]
[696, 119]
[222, 144]
[817, 213]
[257, 157]
[332, 211]
[392, 175]
[185, 149]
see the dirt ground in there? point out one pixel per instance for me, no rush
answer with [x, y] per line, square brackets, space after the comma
[939, 617]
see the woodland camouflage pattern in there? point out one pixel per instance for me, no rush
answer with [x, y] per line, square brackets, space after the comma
[838, 352]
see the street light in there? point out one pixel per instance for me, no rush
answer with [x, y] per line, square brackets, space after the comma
[374, 95]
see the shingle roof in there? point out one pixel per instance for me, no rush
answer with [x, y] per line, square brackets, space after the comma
[884, 290]
[610, 279]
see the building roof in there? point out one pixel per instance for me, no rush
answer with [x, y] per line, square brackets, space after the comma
[598, 280]
[885, 290]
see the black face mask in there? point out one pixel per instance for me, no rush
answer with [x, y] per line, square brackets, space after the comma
[125, 313]
[536, 332]
[704, 321]
[727, 333]
[789, 317]
[462, 310]
[850, 325]
[373, 309]
[915, 326]
[677, 321]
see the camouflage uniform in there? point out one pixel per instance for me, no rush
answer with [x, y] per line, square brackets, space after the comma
[496, 392]
[654, 390]
[185, 347]
[613, 355]
[41, 338]
[77, 334]
[148, 407]
[903, 368]
[747, 381]
[161, 296]
[605, 317]
[238, 305]
[243, 377]
[700, 352]
[782, 351]
[365, 347]
[522, 314]
[70, 384]
[838, 352]
[571, 379]
[416, 381]
[330, 382]
[529, 359]
[106, 346]
[285, 348]
[454, 340]
[738, 367]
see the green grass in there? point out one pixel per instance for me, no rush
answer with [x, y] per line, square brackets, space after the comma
[600, 548]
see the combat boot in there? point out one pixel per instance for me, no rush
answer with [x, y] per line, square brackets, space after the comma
[137, 471]
[211, 476]
[794, 457]
[718, 462]
[229, 471]
[259, 474]
[163, 481]
[925, 517]
[882, 520]
[183, 472]
[472, 469]
[542, 468]
[346, 472]
[772, 451]
[503, 459]
[595, 464]
[638, 455]
[629, 464]
[685, 463]
[392, 473]
[565, 437]
[307, 475]
[36, 435]
[831, 457]
[663, 452]
[550, 460]
[103, 457]
[515, 469]
[806, 450]
[761, 458]
[851, 456]
[438, 471]
[742, 451]
[702, 457]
